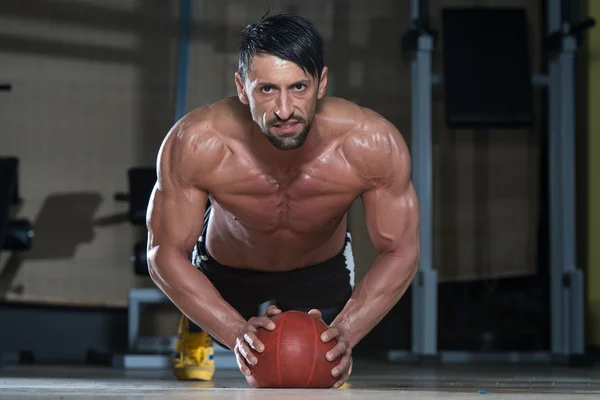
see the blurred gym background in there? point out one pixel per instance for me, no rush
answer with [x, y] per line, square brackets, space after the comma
[89, 88]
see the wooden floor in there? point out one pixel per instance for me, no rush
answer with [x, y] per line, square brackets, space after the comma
[369, 381]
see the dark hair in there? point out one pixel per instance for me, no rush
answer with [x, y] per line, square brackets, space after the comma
[286, 36]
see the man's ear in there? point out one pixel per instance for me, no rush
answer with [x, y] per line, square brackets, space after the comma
[322, 84]
[239, 84]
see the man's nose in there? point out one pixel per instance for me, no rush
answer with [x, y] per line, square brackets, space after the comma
[284, 107]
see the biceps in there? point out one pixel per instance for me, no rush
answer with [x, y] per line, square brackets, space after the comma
[175, 218]
[392, 219]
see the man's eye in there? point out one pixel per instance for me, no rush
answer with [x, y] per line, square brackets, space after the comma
[266, 89]
[300, 86]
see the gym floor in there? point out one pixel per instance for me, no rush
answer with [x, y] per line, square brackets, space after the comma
[369, 380]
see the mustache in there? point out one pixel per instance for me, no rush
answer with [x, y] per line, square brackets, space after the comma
[277, 120]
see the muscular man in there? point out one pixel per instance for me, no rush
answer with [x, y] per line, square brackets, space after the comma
[279, 166]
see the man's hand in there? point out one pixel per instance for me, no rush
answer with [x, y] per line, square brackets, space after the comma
[341, 349]
[246, 339]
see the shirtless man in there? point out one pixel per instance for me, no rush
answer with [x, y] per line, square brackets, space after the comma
[279, 166]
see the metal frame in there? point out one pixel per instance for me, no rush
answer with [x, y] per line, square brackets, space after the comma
[183, 58]
[566, 280]
[424, 288]
[155, 352]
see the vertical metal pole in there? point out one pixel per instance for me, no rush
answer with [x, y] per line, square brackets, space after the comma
[567, 184]
[554, 122]
[573, 281]
[424, 288]
[133, 322]
[183, 55]
[566, 280]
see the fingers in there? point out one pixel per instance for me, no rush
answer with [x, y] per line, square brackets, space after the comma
[272, 310]
[248, 341]
[341, 370]
[340, 383]
[330, 334]
[344, 364]
[241, 362]
[246, 353]
[315, 313]
[337, 350]
[342, 349]
[262, 322]
[254, 341]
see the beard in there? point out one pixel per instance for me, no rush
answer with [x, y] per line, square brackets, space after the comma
[287, 143]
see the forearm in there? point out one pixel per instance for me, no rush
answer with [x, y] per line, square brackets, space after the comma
[376, 294]
[192, 292]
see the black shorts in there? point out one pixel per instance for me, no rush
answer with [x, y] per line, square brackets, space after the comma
[326, 286]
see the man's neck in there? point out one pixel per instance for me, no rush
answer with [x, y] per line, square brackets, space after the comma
[285, 161]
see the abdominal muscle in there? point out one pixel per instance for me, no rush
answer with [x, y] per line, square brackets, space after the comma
[233, 244]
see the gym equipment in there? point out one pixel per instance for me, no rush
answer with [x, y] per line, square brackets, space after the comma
[8, 188]
[472, 98]
[294, 354]
[18, 235]
[140, 260]
[15, 235]
[153, 352]
[148, 352]
[141, 182]
[566, 279]
[420, 41]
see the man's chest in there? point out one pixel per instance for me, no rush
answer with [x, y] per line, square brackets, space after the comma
[310, 198]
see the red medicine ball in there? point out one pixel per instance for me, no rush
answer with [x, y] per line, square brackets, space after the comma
[294, 354]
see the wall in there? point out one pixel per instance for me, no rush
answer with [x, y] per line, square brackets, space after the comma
[93, 89]
[92, 96]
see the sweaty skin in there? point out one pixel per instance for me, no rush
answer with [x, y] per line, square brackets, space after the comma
[279, 210]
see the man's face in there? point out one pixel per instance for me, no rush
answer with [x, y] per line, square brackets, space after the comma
[282, 99]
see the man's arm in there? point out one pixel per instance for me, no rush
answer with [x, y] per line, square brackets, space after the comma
[392, 217]
[174, 220]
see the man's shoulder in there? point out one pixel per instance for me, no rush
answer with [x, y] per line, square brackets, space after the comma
[339, 114]
[374, 145]
[213, 120]
[210, 126]
[198, 142]
[355, 121]
[194, 134]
